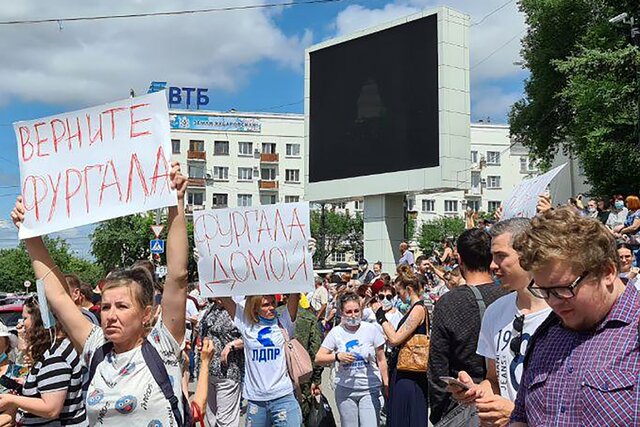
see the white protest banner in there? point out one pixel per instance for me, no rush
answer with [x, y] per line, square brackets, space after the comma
[260, 250]
[524, 198]
[95, 164]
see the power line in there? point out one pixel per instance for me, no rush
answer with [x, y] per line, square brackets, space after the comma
[499, 8]
[483, 60]
[169, 13]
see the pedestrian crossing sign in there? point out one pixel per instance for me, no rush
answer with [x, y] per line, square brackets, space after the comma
[157, 246]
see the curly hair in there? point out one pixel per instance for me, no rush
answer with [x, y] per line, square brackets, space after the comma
[563, 235]
[37, 337]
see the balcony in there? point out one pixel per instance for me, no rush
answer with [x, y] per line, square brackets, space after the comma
[196, 182]
[474, 191]
[268, 185]
[269, 158]
[197, 155]
[192, 208]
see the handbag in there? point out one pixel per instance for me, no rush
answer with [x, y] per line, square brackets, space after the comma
[460, 416]
[320, 414]
[197, 415]
[298, 361]
[414, 354]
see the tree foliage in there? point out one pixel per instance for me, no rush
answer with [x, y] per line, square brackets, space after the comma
[342, 232]
[15, 265]
[434, 231]
[582, 93]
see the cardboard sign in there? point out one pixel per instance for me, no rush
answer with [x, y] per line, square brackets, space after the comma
[259, 250]
[524, 198]
[95, 164]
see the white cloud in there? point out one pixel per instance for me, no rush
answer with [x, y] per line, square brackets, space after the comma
[4, 224]
[96, 61]
[485, 39]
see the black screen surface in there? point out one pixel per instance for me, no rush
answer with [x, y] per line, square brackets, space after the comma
[374, 103]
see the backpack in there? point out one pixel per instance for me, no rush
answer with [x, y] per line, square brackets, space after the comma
[158, 371]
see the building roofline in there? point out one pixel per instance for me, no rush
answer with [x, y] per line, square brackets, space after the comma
[490, 125]
[247, 114]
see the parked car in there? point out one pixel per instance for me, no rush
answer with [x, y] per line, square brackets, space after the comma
[11, 309]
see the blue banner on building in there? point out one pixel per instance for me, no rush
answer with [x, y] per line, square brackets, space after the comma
[228, 124]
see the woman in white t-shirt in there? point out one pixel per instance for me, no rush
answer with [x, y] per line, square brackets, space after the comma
[267, 385]
[123, 390]
[358, 347]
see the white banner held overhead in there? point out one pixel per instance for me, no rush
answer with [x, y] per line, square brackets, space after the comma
[259, 250]
[524, 198]
[95, 164]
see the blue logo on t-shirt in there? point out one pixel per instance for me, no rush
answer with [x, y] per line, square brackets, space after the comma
[353, 347]
[270, 351]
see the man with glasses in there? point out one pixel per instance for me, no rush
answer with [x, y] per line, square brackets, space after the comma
[628, 273]
[583, 362]
[507, 327]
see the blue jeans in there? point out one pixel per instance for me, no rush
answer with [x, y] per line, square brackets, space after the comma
[281, 412]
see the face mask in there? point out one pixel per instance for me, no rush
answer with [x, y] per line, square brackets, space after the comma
[3, 357]
[386, 304]
[47, 316]
[592, 210]
[351, 321]
[403, 307]
[496, 280]
[619, 204]
[266, 321]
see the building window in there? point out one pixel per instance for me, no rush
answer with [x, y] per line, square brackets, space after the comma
[451, 206]
[293, 150]
[221, 148]
[493, 182]
[493, 158]
[291, 199]
[411, 204]
[292, 175]
[175, 146]
[474, 157]
[268, 199]
[358, 205]
[195, 145]
[493, 206]
[195, 198]
[244, 200]
[268, 174]
[220, 200]
[221, 173]
[526, 165]
[269, 147]
[338, 257]
[340, 205]
[245, 174]
[196, 171]
[428, 205]
[474, 205]
[245, 148]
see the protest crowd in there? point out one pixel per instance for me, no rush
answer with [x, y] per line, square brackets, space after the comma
[514, 322]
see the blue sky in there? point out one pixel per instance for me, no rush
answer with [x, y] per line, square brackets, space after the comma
[250, 60]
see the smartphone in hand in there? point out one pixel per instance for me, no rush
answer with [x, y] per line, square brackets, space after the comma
[455, 382]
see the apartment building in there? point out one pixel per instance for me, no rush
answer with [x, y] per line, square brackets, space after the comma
[239, 159]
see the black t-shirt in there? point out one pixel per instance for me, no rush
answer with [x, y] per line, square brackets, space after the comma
[455, 328]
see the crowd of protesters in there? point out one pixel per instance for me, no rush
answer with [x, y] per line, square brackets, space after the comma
[514, 322]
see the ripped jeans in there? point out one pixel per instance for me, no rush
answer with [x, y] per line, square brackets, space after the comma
[282, 412]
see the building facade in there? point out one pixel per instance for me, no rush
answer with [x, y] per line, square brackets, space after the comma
[239, 159]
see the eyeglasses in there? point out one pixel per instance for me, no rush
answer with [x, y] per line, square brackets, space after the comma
[381, 297]
[560, 292]
[516, 342]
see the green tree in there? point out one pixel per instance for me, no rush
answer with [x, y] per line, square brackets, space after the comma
[119, 242]
[434, 231]
[342, 232]
[15, 265]
[583, 90]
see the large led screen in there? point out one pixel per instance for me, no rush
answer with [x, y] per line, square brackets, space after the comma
[373, 104]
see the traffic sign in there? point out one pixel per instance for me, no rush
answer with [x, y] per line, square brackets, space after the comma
[161, 270]
[157, 229]
[157, 246]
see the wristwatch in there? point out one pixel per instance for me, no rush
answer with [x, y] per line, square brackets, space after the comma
[337, 357]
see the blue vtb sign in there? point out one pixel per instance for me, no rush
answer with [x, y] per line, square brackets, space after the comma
[187, 97]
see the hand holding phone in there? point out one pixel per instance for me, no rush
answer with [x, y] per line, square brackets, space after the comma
[454, 382]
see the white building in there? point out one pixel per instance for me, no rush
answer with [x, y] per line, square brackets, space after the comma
[239, 159]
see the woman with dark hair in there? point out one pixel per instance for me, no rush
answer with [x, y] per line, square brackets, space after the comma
[52, 391]
[122, 389]
[358, 348]
[408, 398]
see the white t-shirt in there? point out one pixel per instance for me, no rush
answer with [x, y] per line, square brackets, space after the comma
[191, 312]
[319, 298]
[265, 369]
[363, 374]
[495, 338]
[123, 391]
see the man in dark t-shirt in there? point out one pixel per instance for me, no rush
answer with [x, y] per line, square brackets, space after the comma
[456, 322]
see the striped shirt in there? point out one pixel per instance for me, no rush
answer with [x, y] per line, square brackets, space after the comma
[59, 370]
[585, 378]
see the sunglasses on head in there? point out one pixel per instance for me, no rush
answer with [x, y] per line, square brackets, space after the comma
[381, 297]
